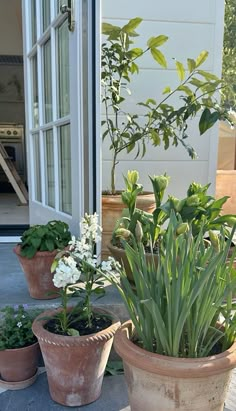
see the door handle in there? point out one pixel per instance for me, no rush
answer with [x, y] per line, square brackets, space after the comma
[69, 9]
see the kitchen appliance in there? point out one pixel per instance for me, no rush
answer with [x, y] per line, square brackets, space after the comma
[13, 139]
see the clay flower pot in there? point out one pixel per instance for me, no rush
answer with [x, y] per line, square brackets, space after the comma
[112, 207]
[18, 366]
[120, 256]
[38, 274]
[157, 383]
[75, 365]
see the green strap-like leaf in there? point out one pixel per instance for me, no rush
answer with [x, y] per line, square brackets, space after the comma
[201, 58]
[180, 70]
[159, 57]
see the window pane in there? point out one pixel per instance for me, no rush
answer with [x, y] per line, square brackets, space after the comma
[65, 169]
[33, 22]
[63, 70]
[47, 82]
[35, 92]
[46, 13]
[37, 174]
[50, 179]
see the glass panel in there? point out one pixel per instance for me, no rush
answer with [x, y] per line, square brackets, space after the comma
[46, 13]
[47, 82]
[63, 70]
[50, 178]
[35, 92]
[36, 164]
[33, 22]
[65, 169]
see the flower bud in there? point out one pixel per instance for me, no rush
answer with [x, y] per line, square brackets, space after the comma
[193, 200]
[214, 240]
[182, 228]
[123, 233]
[160, 182]
[138, 232]
[133, 176]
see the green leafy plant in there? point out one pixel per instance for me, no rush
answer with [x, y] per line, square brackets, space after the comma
[198, 208]
[177, 303]
[160, 122]
[15, 327]
[51, 236]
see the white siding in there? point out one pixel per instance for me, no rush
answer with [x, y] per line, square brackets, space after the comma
[192, 26]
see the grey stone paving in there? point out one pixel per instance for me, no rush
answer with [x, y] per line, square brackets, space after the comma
[13, 290]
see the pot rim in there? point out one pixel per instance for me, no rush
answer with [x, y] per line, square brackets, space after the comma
[17, 250]
[20, 348]
[44, 335]
[171, 366]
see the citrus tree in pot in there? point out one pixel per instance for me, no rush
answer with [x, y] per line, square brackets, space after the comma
[160, 122]
[19, 349]
[76, 340]
[179, 346]
[36, 253]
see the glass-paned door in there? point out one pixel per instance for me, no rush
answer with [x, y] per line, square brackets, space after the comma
[59, 108]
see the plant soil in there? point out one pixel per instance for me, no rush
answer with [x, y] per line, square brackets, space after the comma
[99, 323]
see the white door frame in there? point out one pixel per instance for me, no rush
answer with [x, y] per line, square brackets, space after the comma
[84, 123]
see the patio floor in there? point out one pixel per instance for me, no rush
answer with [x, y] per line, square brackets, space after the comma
[37, 398]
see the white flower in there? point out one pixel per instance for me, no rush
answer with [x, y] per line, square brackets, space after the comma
[66, 272]
[23, 316]
[19, 324]
[110, 265]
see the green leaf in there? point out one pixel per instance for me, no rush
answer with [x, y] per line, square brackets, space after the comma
[151, 101]
[191, 65]
[201, 58]
[208, 76]
[73, 332]
[136, 52]
[186, 89]
[131, 25]
[159, 57]
[155, 138]
[54, 266]
[166, 90]
[134, 68]
[157, 41]
[130, 147]
[49, 244]
[108, 28]
[180, 70]
[207, 120]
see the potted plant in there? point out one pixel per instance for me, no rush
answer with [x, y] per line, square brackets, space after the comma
[36, 253]
[160, 122]
[19, 349]
[76, 340]
[199, 208]
[179, 347]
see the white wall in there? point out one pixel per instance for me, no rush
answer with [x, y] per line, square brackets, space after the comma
[192, 26]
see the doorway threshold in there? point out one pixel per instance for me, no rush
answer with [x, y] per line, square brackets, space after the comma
[12, 233]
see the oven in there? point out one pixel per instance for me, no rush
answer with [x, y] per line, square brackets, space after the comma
[12, 138]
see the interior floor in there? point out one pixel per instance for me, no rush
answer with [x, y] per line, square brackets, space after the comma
[12, 212]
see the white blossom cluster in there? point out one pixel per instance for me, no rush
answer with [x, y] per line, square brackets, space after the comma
[66, 272]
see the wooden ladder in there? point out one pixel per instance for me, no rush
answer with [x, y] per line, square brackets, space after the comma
[13, 176]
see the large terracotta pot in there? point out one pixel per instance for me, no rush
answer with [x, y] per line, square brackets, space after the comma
[160, 383]
[112, 207]
[18, 366]
[38, 274]
[119, 255]
[75, 365]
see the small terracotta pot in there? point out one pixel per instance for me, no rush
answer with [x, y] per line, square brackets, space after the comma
[112, 207]
[120, 256]
[75, 365]
[38, 274]
[19, 364]
[160, 383]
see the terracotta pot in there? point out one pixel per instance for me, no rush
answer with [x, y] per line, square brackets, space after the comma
[38, 274]
[19, 365]
[112, 207]
[75, 365]
[119, 255]
[160, 383]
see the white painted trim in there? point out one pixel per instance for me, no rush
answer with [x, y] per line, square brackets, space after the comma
[10, 239]
[98, 14]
